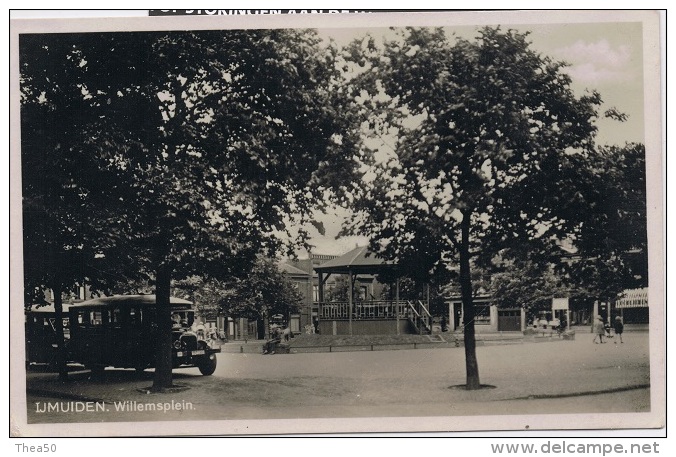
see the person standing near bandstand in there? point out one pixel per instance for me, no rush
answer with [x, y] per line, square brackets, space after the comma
[618, 326]
[599, 330]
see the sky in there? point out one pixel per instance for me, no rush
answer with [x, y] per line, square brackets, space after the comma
[606, 57]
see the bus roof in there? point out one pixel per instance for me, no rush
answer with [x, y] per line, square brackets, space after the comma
[130, 300]
[48, 308]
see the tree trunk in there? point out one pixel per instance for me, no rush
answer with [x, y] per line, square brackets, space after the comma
[471, 365]
[58, 328]
[260, 327]
[163, 359]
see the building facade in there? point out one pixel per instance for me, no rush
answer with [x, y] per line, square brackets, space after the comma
[487, 316]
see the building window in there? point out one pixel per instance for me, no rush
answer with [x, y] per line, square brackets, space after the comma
[482, 313]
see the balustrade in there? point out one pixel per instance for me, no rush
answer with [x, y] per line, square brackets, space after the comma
[376, 309]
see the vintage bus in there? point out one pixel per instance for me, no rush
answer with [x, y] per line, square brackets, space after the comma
[41, 344]
[120, 331]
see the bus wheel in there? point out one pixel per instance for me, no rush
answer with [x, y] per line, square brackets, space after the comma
[208, 365]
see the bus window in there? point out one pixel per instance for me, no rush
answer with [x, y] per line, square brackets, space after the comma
[116, 317]
[96, 318]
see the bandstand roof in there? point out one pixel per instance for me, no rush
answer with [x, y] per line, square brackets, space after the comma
[358, 260]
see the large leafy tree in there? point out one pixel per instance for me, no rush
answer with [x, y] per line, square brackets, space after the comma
[205, 293]
[490, 139]
[219, 142]
[255, 294]
[612, 241]
[69, 238]
[528, 284]
[263, 292]
[609, 247]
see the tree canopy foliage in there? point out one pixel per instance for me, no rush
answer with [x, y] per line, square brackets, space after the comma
[68, 232]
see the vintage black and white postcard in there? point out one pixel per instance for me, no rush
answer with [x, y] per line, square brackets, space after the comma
[285, 222]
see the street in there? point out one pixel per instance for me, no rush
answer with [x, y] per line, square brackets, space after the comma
[553, 377]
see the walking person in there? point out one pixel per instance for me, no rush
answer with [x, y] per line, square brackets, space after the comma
[618, 326]
[599, 330]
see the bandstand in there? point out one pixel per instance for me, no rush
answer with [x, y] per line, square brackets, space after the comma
[358, 316]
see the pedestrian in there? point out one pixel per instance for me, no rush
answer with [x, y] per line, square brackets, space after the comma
[607, 327]
[599, 330]
[618, 326]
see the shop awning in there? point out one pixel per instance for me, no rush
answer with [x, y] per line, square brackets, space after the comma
[633, 298]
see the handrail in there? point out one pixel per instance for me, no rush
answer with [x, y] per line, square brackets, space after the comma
[419, 316]
[411, 306]
[414, 316]
[422, 305]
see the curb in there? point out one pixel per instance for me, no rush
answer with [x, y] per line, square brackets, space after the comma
[581, 394]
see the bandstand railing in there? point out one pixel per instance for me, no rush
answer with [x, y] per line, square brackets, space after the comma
[372, 309]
